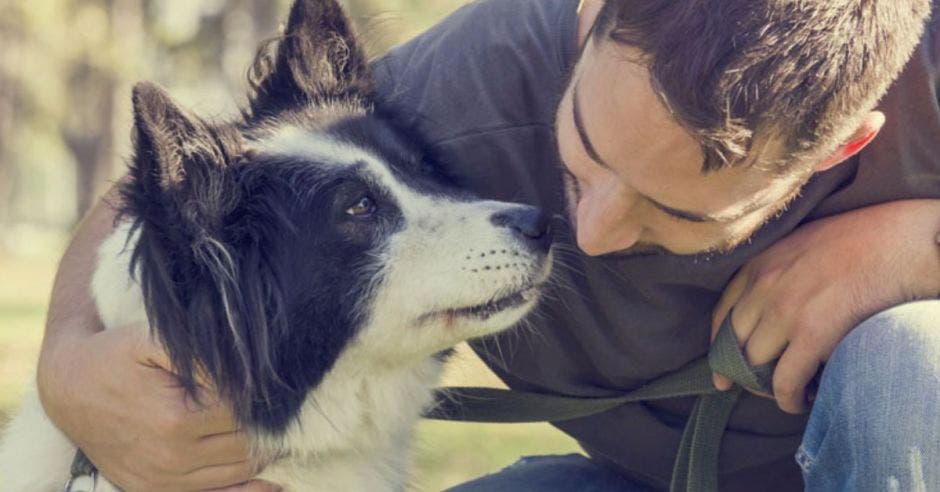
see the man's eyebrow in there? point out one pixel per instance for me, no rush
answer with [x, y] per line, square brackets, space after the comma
[592, 153]
[690, 216]
[579, 126]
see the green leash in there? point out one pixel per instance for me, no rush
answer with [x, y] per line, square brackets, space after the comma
[696, 466]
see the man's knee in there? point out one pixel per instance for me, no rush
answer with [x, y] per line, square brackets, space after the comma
[885, 375]
[875, 420]
[904, 340]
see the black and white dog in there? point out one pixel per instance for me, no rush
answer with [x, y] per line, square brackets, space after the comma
[307, 261]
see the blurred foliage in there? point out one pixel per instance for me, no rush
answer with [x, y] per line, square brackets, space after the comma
[67, 67]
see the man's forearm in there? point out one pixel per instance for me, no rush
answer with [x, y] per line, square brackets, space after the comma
[924, 260]
[72, 313]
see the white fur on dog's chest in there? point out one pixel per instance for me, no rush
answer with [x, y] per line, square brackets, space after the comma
[117, 295]
[354, 430]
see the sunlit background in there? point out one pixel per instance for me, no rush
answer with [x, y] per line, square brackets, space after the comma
[66, 70]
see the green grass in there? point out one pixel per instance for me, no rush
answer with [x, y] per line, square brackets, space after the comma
[445, 453]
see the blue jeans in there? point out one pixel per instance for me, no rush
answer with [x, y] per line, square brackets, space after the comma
[875, 424]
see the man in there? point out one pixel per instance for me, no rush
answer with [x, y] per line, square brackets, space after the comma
[707, 155]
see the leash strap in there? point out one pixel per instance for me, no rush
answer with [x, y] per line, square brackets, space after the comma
[696, 465]
[84, 474]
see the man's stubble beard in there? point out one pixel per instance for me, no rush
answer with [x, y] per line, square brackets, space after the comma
[643, 249]
[572, 197]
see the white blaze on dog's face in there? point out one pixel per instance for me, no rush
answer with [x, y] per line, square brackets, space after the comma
[451, 268]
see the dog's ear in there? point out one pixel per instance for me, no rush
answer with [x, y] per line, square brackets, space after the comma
[166, 137]
[318, 58]
[180, 160]
[181, 190]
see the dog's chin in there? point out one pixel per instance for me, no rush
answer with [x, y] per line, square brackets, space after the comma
[497, 314]
[520, 300]
[503, 308]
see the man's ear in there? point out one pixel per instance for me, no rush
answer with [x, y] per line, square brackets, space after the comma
[318, 58]
[863, 135]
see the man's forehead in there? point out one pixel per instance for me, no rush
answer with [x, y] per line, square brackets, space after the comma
[636, 135]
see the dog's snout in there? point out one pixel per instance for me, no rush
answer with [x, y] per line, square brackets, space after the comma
[532, 225]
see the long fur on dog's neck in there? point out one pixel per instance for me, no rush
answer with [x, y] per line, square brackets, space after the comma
[210, 232]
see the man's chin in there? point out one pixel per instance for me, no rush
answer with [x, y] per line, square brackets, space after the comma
[641, 250]
[638, 250]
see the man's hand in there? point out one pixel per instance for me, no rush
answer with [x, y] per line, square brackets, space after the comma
[111, 393]
[798, 299]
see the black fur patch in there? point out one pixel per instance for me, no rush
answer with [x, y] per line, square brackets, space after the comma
[318, 59]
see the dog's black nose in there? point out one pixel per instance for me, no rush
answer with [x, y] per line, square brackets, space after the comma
[531, 224]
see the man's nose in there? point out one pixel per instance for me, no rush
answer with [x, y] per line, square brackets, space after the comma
[606, 225]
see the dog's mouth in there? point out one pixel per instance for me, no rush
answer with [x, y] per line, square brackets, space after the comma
[483, 312]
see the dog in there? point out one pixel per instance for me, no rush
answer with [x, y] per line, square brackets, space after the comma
[307, 260]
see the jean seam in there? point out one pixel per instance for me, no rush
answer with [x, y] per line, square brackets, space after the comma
[804, 459]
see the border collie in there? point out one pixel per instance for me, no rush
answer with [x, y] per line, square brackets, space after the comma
[308, 260]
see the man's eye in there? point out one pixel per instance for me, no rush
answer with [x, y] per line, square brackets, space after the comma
[363, 207]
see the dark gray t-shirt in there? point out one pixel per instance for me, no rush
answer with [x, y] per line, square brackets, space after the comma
[482, 88]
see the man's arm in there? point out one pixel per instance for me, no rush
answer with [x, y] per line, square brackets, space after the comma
[798, 299]
[72, 314]
[112, 394]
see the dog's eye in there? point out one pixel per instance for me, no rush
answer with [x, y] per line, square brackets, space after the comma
[363, 207]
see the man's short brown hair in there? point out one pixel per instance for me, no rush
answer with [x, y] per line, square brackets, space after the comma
[737, 73]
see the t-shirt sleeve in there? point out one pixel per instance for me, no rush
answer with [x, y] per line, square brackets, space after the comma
[903, 162]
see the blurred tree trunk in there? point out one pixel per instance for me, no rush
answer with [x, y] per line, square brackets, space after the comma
[378, 23]
[10, 40]
[266, 15]
[88, 130]
[97, 84]
[7, 110]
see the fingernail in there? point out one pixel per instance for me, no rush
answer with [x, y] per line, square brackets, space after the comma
[719, 384]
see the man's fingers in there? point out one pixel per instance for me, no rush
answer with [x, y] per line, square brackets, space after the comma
[767, 341]
[721, 383]
[211, 415]
[794, 371]
[231, 447]
[729, 299]
[145, 349]
[252, 486]
[746, 314]
[732, 293]
[219, 476]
